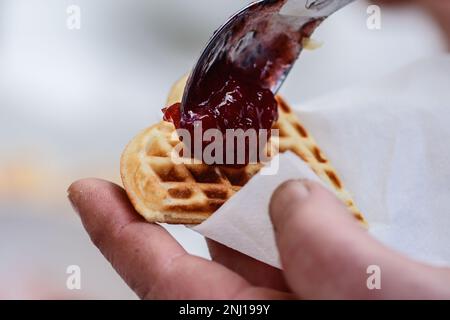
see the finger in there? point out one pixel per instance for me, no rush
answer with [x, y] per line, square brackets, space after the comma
[146, 256]
[325, 253]
[254, 271]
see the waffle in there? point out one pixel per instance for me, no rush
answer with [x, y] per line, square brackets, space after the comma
[165, 191]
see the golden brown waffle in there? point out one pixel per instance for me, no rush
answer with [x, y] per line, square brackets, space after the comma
[186, 193]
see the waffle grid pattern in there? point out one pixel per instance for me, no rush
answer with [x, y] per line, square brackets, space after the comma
[186, 193]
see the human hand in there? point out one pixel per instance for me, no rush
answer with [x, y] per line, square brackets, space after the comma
[324, 252]
[439, 10]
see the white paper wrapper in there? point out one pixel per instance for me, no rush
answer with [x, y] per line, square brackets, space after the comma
[243, 222]
[390, 142]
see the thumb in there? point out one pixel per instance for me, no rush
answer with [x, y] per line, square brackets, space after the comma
[325, 253]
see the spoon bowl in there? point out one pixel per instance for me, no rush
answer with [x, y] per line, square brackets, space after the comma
[263, 41]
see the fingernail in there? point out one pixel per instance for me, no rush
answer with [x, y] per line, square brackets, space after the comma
[72, 201]
[302, 188]
[286, 193]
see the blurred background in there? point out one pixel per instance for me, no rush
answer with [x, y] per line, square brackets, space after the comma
[70, 100]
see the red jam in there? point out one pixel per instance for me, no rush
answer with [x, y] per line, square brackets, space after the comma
[237, 105]
[229, 102]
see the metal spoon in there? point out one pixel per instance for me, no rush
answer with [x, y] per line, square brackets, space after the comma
[263, 40]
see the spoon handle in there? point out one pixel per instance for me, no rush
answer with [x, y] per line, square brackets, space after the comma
[312, 8]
